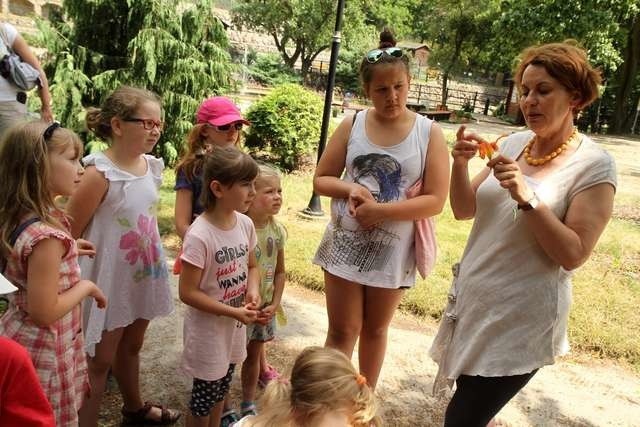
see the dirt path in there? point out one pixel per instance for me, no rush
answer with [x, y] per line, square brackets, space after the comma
[573, 392]
[589, 393]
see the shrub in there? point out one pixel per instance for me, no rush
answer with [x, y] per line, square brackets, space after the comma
[285, 125]
[269, 70]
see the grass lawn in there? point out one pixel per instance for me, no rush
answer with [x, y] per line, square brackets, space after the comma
[605, 317]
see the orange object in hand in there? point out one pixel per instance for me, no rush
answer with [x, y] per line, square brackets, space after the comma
[487, 149]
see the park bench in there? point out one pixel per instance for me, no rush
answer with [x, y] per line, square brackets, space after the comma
[432, 114]
[436, 115]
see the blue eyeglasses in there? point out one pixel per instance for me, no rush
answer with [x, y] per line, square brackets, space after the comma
[374, 55]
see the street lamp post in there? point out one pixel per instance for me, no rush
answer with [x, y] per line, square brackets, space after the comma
[314, 209]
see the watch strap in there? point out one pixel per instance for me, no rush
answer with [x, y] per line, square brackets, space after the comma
[529, 204]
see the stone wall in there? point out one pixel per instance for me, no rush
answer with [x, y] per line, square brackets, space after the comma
[20, 12]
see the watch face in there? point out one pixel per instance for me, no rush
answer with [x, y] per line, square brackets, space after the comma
[534, 202]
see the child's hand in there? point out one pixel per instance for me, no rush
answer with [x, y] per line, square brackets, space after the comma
[96, 294]
[247, 314]
[252, 298]
[266, 314]
[357, 196]
[85, 247]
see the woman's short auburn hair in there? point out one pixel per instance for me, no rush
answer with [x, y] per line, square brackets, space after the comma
[567, 63]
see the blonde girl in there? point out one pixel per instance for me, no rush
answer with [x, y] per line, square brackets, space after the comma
[270, 255]
[219, 282]
[324, 391]
[367, 252]
[115, 207]
[38, 163]
[218, 124]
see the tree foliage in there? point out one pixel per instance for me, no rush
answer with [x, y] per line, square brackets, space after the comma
[608, 29]
[181, 55]
[487, 37]
[301, 29]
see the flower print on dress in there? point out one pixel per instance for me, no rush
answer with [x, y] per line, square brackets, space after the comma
[143, 245]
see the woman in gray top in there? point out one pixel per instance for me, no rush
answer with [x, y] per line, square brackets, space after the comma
[539, 208]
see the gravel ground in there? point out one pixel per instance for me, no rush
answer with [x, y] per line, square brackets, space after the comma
[574, 392]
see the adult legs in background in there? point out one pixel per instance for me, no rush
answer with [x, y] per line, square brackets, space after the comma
[379, 306]
[478, 399]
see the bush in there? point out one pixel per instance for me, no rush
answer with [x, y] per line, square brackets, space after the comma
[285, 125]
[269, 70]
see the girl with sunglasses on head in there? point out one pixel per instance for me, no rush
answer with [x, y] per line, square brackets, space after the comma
[367, 252]
[39, 163]
[115, 208]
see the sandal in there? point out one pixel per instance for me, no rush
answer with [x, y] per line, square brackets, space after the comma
[140, 417]
[268, 376]
[228, 418]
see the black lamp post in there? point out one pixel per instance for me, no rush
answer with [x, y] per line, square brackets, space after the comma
[314, 209]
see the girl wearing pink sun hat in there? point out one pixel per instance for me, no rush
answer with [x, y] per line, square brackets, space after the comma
[218, 124]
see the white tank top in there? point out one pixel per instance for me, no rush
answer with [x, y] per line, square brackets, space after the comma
[382, 256]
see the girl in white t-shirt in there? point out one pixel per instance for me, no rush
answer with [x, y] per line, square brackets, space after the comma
[219, 282]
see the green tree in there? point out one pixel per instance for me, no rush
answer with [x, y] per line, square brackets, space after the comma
[301, 29]
[458, 29]
[397, 15]
[183, 56]
[609, 30]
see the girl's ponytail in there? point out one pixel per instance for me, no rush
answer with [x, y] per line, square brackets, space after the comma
[275, 404]
[94, 121]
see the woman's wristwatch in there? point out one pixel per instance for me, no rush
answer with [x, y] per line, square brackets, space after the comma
[530, 204]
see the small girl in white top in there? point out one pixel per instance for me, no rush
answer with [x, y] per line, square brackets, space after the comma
[219, 282]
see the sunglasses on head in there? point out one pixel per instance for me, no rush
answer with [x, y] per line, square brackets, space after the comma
[225, 128]
[374, 55]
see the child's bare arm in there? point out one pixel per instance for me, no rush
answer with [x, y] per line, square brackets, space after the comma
[45, 305]
[183, 211]
[278, 288]
[85, 200]
[253, 281]
[278, 279]
[191, 294]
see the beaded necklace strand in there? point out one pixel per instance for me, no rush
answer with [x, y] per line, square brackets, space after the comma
[555, 153]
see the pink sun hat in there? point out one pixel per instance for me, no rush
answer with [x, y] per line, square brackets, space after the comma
[218, 111]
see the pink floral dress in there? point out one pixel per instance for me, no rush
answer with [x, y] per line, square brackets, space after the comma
[129, 265]
[57, 350]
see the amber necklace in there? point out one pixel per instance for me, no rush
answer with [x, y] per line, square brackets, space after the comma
[555, 153]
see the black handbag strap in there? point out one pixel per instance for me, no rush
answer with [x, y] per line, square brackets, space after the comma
[16, 233]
